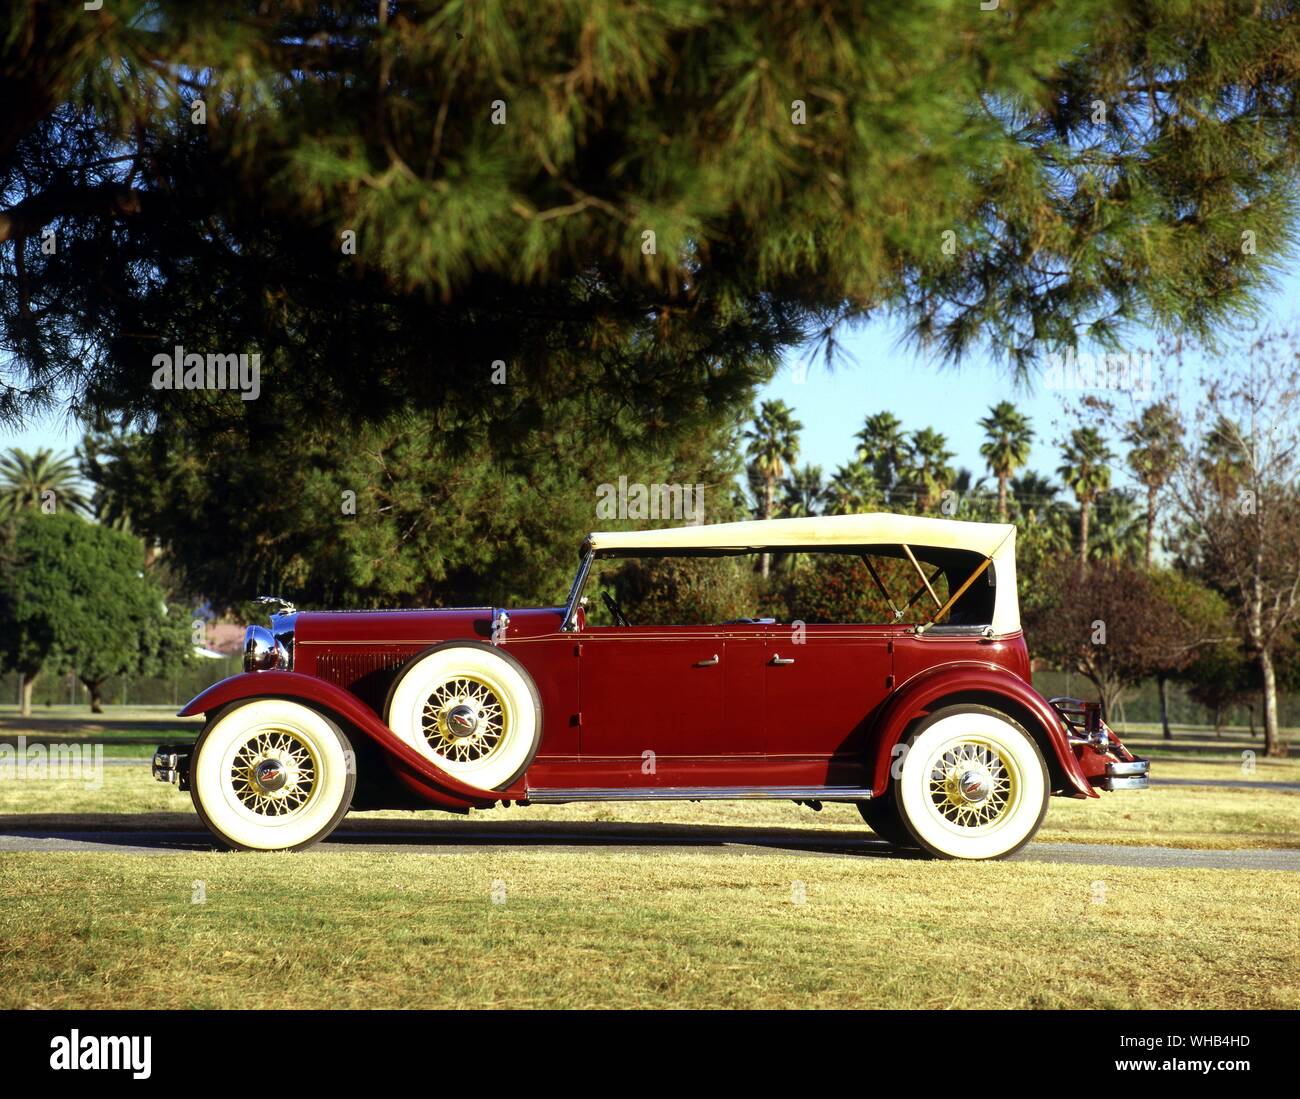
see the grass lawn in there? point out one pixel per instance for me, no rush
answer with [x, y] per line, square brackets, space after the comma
[683, 927]
[123, 730]
[679, 929]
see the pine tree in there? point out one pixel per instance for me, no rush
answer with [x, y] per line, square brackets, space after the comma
[646, 201]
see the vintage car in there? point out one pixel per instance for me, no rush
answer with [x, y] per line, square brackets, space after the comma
[927, 721]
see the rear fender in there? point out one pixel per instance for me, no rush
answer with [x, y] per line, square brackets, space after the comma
[412, 768]
[986, 684]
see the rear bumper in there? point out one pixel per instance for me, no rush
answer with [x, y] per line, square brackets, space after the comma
[171, 763]
[1102, 756]
[1127, 775]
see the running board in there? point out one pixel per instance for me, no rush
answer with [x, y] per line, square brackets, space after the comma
[701, 793]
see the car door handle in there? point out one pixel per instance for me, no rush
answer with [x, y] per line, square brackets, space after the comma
[707, 663]
[779, 661]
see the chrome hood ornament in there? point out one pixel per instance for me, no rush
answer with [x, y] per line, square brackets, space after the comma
[285, 607]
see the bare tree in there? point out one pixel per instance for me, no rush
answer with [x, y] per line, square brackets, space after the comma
[1237, 493]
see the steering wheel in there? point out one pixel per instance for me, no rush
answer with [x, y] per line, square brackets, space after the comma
[619, 617]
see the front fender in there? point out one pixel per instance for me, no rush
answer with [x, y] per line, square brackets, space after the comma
[971, 680]
[437, 785]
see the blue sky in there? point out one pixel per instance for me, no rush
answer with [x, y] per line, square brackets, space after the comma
[877, 371]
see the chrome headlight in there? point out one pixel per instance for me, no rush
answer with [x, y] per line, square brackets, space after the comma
[263, 651]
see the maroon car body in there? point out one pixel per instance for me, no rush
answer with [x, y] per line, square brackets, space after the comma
[726, 711]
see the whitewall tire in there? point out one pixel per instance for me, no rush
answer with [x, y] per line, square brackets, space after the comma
[470, 709]
[973, 785]
[272, 775]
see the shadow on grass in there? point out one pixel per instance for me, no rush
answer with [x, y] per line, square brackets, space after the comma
[183, 831]
[71, 730]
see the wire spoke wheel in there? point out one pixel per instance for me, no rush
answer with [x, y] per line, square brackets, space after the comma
[971, 784]
[271, 774]
[974, 784]
[464, 720]
[274, 773]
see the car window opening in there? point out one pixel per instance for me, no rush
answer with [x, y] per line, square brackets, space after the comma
[816, 585]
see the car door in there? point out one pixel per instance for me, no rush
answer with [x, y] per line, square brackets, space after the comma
[652, 702]
[821, 686]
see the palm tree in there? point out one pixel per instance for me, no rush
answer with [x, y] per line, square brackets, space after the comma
[1007, 448]
[1223, 456]
[804, 492]
[1036, 504]
[882, 445]
[928, 474]
[1117, 528]
[26, 479]
[1032, 488]
[107, 505]
[1086, 473]
[963, 482]
[1156, 450]
[773, 445]
[853, 488]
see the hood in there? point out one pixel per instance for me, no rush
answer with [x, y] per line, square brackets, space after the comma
[425, 627]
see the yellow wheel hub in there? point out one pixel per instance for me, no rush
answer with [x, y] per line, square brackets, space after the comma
[464, 719]
[972, 784]
[273, 773]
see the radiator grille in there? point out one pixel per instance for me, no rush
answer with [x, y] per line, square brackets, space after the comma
[367, 675]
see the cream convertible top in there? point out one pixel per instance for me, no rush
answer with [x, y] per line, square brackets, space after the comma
[996, 542]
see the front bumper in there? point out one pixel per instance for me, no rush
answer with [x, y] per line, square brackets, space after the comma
[1126, 775]
[171, 763]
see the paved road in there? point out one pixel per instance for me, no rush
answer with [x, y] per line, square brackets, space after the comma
[443, 839]
[1230, 783]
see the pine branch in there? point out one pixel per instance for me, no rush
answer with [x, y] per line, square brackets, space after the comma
[34, 213]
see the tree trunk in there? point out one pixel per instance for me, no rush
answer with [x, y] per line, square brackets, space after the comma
[96, 690]
[1109, 695]
[1162, 683]
[1002, 497]
[1218, 721]
[28, 681]
[1085, 506]
[1151, 523]
[769, 492]
[1271, 746]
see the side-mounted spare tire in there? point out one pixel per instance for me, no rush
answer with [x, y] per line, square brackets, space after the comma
[470, 709]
